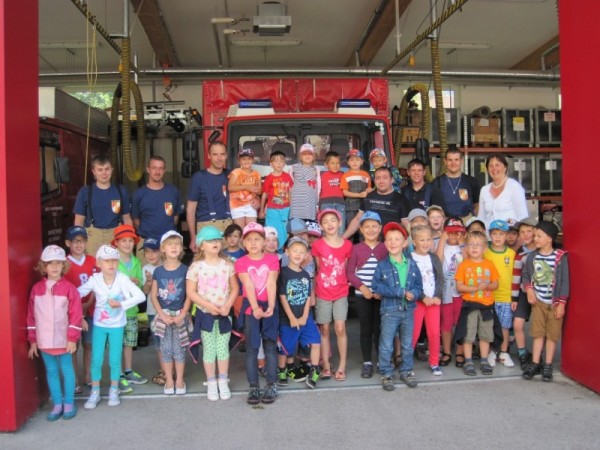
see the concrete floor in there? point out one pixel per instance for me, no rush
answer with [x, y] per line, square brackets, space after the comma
[450, 411]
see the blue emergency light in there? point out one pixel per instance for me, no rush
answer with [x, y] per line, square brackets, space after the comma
[255, 103]
[354, 103]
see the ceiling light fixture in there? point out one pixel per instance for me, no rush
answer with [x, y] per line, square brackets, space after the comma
[64, 45]
[464, 45]
[266, 42]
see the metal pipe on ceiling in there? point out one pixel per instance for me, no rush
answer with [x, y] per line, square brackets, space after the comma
[158, 73]
[368, 29]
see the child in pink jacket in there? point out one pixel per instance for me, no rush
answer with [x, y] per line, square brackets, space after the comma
[54, 323]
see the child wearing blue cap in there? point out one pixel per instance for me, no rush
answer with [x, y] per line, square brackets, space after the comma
[355, 184]
[213, 287]
[508, 264]
[361, 267]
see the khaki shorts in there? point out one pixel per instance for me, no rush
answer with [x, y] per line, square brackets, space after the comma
[98, 237]
[327, 310]
[218, 224]
[543, 322]
[130, 333]
[477, 326]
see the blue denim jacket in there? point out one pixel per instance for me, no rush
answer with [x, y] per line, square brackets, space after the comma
[387, 284]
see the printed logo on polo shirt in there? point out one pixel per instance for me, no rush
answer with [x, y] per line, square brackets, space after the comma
[168, 208]
[224, 188]
[116, 206]
[463, 194]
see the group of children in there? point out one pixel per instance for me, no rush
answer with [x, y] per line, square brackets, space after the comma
[289, 280]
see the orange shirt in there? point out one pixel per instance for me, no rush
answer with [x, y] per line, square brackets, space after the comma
[472, 273]
[243, 198]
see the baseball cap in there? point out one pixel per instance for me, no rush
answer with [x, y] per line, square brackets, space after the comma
[416, 212]
[548, 228]
[271, 231]
[435, 208]
[74, 231]
[151, 243]
[354, 152]
[329, 211]
[376, 152]
[107, 252]
[370, 215]
[296, 240]
[395, 226]
[253, 227]
[246, 152]
[313, 228]
[529, 221]
[498, 224]
[307, 148]
[170, 233]
[208, 233]
[125, 231]
[454, 225]
[53, 253]
[296, 226]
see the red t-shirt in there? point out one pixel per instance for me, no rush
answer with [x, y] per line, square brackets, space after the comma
[278, 188]
[79, 274]
[331, 282]
[330, 184]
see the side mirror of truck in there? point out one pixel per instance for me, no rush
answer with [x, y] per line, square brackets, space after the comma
[62, 170]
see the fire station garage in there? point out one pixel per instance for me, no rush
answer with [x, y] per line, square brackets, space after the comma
[133, 79]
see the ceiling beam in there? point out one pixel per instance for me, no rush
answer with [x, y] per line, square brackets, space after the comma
[533, 61]
[150, 17]
[380, 30]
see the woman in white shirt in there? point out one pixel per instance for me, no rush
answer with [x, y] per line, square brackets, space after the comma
[504, 197]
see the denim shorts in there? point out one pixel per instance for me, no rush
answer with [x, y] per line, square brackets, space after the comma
[505, 315]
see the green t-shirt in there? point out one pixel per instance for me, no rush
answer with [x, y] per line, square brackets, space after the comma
[402, 268]
[132, 270]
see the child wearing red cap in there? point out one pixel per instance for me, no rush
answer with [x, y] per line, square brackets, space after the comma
[125, 240]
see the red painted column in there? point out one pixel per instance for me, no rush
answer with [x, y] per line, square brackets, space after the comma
[579, 64]
[20, 227]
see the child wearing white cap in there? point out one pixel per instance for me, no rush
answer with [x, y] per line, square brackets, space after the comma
[115, 293]
[54, 329]
[307, 185]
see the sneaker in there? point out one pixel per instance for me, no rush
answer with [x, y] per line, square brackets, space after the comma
[524, 360]
[135, 378]
[435, 370]
[69, 414]
[93, 399]
[409, 379]
[313, 377]
[270, 394]
[547, 372]
[253, 395]
[124, 385]
[491, 359]
[212, 390]
[506, 360]
[486, 368]
[531, 370]
[367, 371]
[224, 392]
[298, 373]
[388, 383]
[282, 377]
[113, 397]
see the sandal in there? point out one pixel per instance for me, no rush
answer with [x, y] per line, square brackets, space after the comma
[340, 375]
[159, 378]
[460, 360]
[469, 369]
[445, 359]
[325, 374]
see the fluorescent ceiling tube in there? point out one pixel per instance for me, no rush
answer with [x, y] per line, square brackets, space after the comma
[266, 42]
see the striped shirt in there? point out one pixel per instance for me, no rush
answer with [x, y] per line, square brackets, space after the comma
[543, 276]
[366, 272]
[305, 192]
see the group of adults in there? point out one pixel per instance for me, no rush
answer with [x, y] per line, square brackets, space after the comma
[155, 208]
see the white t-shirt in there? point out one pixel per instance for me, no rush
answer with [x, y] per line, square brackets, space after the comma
[452, 258]
[426, 268]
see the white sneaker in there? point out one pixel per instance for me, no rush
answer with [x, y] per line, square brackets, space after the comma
[212, 393]
[93, 399]
[435, 370]
[113, 397]
[506, 360]
[224, 391]
[491, 359]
